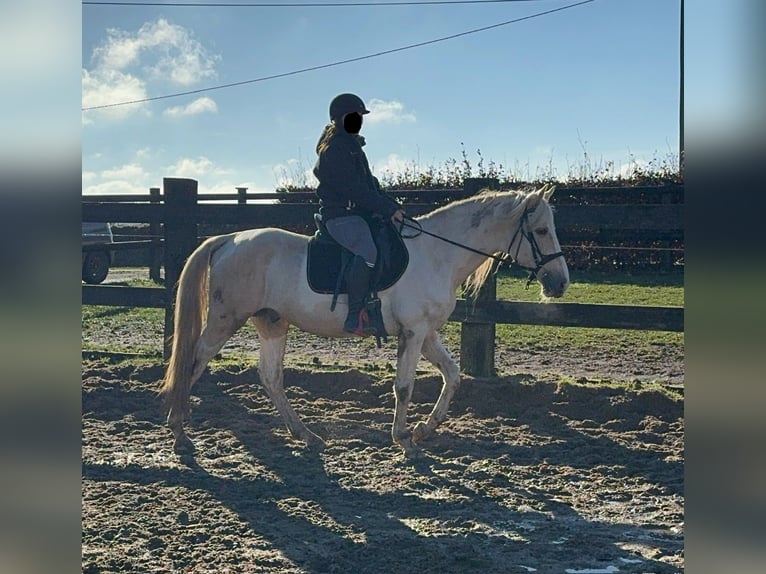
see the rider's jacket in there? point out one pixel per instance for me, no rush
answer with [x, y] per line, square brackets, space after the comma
[346, 184]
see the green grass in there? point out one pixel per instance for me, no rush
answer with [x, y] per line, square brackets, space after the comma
[665, 290]
[115, 328]
[588, 287]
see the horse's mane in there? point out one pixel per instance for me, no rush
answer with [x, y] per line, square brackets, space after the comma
[485, 196]
[489, 200]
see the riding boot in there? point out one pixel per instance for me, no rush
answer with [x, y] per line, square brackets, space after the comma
[358, 285]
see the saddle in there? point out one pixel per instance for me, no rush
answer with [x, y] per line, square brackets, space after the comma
[326, 258]
[327, 261]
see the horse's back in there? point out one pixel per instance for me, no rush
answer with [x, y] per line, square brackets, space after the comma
[264, 236]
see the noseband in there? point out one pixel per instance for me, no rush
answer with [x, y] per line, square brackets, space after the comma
[537, 254]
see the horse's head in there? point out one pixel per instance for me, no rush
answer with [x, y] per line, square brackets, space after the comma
[536, 248]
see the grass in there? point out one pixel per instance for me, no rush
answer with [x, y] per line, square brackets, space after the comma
[588, 287]
[119, 325]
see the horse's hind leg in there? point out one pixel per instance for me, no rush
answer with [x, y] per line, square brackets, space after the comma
[272, 331]
[213, 337]
[437, 354]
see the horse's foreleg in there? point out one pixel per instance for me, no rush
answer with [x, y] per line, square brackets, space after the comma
[214, 336]
[408, 353]
[437, 354]
[272, 332]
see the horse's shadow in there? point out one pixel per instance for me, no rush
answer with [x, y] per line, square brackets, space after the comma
[382, 519]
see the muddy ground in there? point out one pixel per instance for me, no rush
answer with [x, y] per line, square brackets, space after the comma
[547, 468]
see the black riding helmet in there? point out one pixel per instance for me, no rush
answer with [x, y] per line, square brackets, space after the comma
[343, 104]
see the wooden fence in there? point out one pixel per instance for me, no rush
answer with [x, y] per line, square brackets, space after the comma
[180, 210]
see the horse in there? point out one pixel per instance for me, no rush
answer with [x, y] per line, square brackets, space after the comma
[260, 275]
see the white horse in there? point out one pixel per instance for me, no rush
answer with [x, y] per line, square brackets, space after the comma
[260, 275]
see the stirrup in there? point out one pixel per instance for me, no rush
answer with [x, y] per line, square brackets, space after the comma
[363, 327]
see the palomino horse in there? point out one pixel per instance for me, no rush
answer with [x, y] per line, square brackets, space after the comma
[260, 275]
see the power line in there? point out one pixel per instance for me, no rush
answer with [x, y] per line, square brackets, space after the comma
[302, 4]
[341, 62]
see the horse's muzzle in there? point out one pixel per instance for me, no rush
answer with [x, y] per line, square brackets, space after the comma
[553, 284]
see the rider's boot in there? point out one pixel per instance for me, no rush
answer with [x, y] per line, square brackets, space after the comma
[358, 285]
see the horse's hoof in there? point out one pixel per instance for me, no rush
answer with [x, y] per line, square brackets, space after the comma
[316, 443]
[421, 432]
[183, 445]
[312, 440]
[412, 451]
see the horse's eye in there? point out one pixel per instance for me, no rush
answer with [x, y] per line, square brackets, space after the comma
[542, 231]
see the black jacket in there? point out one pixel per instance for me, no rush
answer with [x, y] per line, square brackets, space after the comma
[346, 184]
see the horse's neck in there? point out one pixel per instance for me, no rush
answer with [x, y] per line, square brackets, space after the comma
[480, 225]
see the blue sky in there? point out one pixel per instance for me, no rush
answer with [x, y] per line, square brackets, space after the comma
[601, 78]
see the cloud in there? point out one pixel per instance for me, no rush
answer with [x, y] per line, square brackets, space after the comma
[626, 170]
[128, 178]
[159, 52]
[162, 49]
[194, 167]
[129, 171]
[104, 87]
[294, 173]
[114, 187]
[388, 112]
[198, 106]
[136, 178]
[393, 164]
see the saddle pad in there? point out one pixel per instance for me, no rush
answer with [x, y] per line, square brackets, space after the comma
[324, 263]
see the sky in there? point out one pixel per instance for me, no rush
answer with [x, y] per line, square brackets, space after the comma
[589, 86]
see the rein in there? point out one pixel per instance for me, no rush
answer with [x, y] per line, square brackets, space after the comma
[540, 259]
[500, 258]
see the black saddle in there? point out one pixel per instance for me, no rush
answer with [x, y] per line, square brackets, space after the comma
[327, 258]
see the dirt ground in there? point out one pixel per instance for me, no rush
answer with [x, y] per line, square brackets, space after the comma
[547, 468]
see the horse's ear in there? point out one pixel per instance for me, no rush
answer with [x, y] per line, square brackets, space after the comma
[533, 199]
[548, 190]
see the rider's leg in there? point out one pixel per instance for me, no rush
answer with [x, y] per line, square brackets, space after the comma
[353, 233]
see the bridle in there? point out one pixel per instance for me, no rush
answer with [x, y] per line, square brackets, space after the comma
[522, 233]
[537, 254]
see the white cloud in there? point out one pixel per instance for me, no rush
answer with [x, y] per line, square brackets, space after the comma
[393, 164]
[294, 173]
[114, 187]
[388, 112]
[104, 87]
[128, 178]
[198, 106]
[226, 186]
[194, 167]
[132, 171]
[166, 50]
[159, 52]
[626, 170]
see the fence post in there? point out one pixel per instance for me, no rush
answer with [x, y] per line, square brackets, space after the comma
[477, 340]
[241, 196]
[180, 240]
[155, 251]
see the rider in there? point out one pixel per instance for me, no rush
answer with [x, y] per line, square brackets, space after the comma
[348, 192]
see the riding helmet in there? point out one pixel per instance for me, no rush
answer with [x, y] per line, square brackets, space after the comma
[343, 104]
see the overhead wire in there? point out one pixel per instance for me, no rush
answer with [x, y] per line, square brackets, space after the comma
[340, 62]
[300, 4]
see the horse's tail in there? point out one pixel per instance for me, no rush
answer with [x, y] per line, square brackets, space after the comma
[190, 309]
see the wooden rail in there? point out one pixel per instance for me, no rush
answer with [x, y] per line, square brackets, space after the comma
[179, 212]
